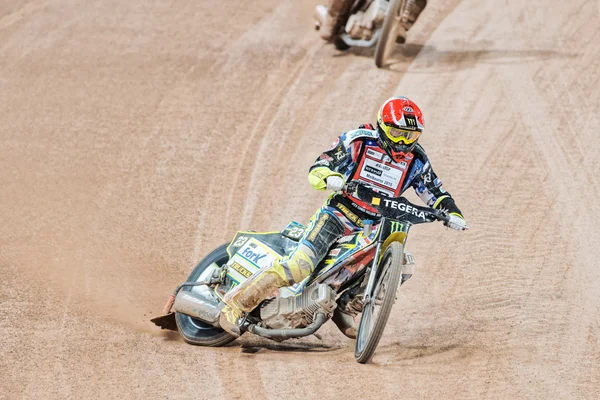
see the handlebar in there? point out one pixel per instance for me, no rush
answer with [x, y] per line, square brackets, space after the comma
[390, 206]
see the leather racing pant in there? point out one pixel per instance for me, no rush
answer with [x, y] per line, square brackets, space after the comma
[325, 228]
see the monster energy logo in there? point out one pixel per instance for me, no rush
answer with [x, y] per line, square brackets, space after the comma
[396, 226]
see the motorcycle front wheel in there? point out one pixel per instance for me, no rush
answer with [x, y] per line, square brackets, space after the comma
[196, 331]
[387, 39]
[376, 312]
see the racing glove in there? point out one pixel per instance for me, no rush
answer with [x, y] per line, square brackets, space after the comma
[335, 183]
[456, 222]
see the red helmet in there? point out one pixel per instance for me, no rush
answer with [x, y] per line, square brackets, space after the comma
[400, 123]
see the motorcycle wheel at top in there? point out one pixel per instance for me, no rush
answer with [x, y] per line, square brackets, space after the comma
[388, 31]
[375, 314]
[193, 330]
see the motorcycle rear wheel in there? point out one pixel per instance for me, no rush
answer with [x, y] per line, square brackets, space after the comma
[196, 331]
[392, 18]
[372, 324]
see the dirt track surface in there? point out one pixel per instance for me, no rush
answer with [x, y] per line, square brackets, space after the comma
[136, 136]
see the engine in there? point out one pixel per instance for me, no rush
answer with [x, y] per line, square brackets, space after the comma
[298, 311]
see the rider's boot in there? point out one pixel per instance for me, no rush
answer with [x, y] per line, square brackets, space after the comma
[249, 294]
[320, 15]
[337, 12]
[246, 296]
[408, 18]
[411, 12]
[401, 35]
[349, 305]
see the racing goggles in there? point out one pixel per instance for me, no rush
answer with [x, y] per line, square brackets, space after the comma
[397, 135]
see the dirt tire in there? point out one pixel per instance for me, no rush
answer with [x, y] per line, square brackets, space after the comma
[388, 27]
[193, 330]
[368, 335]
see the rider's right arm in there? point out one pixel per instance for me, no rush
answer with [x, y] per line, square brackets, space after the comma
[328, 164]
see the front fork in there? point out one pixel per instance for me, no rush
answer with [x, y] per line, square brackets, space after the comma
[373, 274]
[375, 265]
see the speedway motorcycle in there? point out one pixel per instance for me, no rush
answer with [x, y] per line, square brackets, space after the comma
[370, 260]
[371, 23]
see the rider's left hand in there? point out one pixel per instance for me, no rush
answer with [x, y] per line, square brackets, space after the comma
[335, 183]
[457, 222]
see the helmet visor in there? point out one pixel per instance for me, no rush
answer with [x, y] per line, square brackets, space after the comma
[397, 135]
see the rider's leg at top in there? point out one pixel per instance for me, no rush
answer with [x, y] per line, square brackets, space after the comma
[413, 9]
[408, 18]
[325, 228]
[337, 14]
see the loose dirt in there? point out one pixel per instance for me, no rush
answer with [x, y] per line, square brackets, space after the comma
[135, 136]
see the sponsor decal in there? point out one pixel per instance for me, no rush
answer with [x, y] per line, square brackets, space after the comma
[254, 256]
[395, 226]
[239, 268]
[376, 201]
[322, 162]
[375, 154]
[340, 154]
[350, 215]
[427, 177]
[373, 170]
[411, 122]
[368, 212]
[383, 174]
[361, 132]
[408, 109]
[346, 239]
[318, 226]
[334, 144]
[404, 207]
[334, 252]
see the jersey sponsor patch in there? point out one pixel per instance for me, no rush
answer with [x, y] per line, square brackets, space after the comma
[334, 144]
[375, 154]
[383, 174]
[351, 135]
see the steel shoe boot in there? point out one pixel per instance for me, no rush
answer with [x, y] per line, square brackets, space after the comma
[320, 15]
[350, 304]
[229, 320]
[337, 13]
[345, 323]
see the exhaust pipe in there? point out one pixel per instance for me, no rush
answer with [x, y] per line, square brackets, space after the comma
[283, 334]
[191, 304]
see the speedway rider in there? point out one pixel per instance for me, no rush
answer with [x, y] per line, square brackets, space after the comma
[335, 15]
[386, 158]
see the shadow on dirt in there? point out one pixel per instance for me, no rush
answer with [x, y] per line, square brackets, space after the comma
[457, 60]
[480, 53]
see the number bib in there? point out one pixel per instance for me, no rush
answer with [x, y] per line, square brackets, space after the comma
[379, 171]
